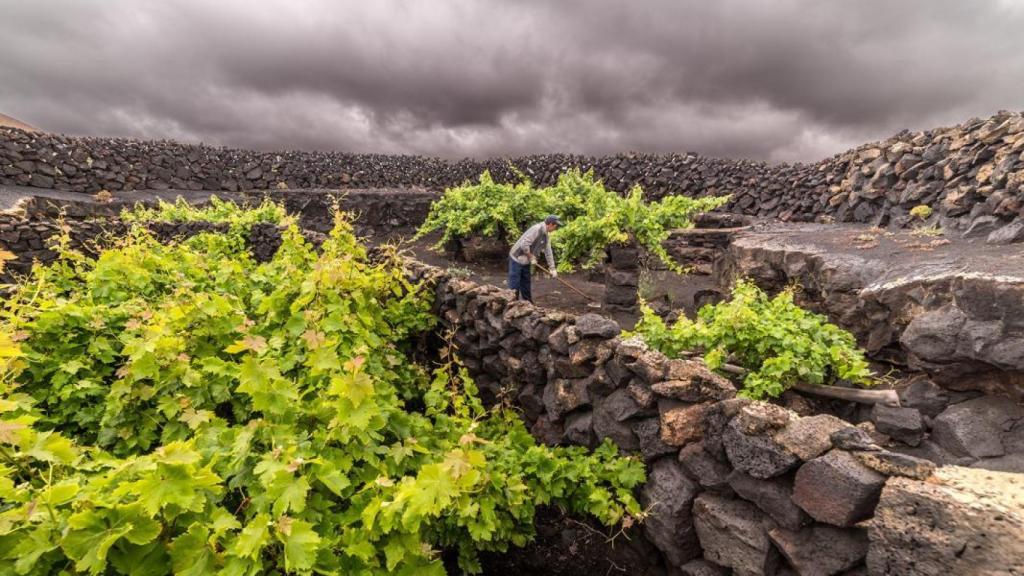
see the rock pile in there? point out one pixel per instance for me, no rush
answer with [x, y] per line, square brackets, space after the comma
[971, 174]
[732, 484]
[622, 277]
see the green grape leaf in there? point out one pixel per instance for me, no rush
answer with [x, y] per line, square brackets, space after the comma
[301, 543]
[191, 554]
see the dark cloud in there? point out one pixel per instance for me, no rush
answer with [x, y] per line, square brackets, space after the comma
[781, 80]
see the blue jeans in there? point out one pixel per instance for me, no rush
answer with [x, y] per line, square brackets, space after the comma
[519, 279]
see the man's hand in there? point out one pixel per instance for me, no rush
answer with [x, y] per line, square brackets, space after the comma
[533, 259]
[554, 273]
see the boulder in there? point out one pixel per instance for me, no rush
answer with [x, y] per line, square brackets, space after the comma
[598, 326]
[701, 467]
[621, 406]
[1009, 463]
[982, 227]
[693, 381]
[934, 334]
[579, 429]
[590, 351]
[929, 398]
[531, 402]
[930, 451]
[1008, 234]
[903, 424]
[759, 417]
[810, 437]
[558, 340]
[756, 455]
[616, 277]
[641, 394]
[649, 367]
[563, 396]
[681, 423]
[621, 296]
[607, 426]
[837, 489]
[716, 419]
[618, 374]
[821, 550]
[563, 367]
[547, 431]
[962, 521]
[734, 533]
[773, 496]
[624, 257]
[975, 427]
[669, 494]
[896, 464]
[648, 432]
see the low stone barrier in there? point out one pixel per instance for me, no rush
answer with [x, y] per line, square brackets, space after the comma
[29, 240]
[748, 486]
[27, 231]
[971, 175]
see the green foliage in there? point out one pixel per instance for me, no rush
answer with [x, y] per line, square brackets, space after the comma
[183, 409]
[239, 220]
[593, 216]
[921, 211]
[596, 218]
[778, 342]
[216, 211]
[488, 208]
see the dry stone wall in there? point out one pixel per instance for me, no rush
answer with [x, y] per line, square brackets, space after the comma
[732, 484]
[971, 174]
[27, 232]
[30, 240]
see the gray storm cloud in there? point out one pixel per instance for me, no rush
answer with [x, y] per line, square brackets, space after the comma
[780, 81]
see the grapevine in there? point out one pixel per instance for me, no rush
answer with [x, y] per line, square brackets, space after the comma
[180, 408]
[779, 343]
[594, 216]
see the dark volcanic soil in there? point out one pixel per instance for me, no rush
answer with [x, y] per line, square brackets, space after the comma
[918, 249]
[548, 292]
[566, 546]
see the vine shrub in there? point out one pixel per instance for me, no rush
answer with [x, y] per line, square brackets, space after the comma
[216, 211]
[487, 208]
[598, 218]
[183, 409]
[779, 343]
[239, 220]
[593, 216]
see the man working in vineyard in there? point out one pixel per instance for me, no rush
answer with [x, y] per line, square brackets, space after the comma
[524, 253]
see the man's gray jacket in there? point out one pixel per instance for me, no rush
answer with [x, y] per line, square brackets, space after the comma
[532, 242]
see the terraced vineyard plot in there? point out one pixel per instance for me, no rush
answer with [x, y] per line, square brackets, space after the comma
[183, 409]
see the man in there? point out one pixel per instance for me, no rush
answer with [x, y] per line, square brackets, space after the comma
[524, 253]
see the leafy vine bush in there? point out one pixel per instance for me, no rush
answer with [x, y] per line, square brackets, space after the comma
[488, 208]
[216, 211]
[779, 343]
[594, 216]
[183, 409]
[239, 220]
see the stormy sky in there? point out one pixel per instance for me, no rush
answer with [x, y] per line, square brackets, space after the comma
[780, 80]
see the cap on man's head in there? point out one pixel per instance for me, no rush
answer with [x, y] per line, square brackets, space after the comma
[553, 220]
